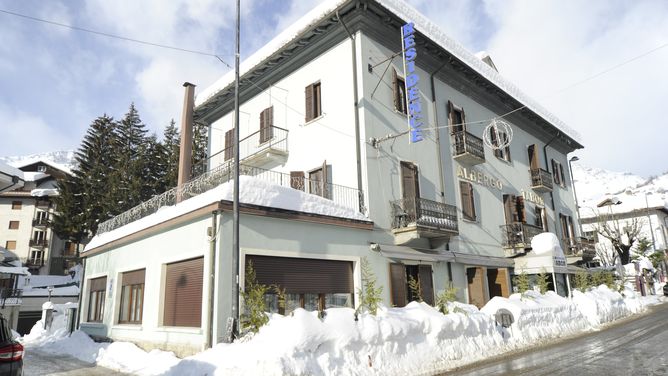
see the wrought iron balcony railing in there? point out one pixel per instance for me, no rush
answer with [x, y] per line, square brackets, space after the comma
[40, 222]
[33, 262]
[39, 243]
[407, 212]
[346, 196]
[43, 204]
[466, 144]
[580, 246]
[541, 180]
[518, 234]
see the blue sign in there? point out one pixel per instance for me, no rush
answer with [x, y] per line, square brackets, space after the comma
[412, 81]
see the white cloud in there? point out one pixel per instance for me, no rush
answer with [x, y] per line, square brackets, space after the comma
[23, 134]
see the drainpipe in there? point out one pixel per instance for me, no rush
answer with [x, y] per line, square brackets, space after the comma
[185, 151]
[547, 167]
[438, 133]
[81, 285]
[358, 152]
[213, 235]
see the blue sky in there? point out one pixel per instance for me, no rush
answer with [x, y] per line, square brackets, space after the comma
[55, 81]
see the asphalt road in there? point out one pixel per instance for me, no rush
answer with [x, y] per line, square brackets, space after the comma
[36, 363]
[635, 346]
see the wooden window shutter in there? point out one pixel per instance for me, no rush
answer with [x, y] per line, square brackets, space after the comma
[468, 207]
[451, 117]
[426, 284]
[266, 124]
[325, 182]
[509, 208]
[309, 105]
[317, 99]
[534, 163]
[504, 138]
[563, 177]
[462, 127]
[297, 180]
[398, 284]
[183, 293]
[555, 172]
[229, 144]
[395, 89]
[519, 206]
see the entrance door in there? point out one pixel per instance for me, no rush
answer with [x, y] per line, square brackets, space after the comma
[410, 188]
[497, 281]
[476, 286]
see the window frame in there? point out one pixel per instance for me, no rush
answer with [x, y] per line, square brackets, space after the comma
[503, 153]
[313, 101]
[96, 313]
[399, 93]
[17, 205]
[468, 206]
[266, 125]
[135, 302]
[16, 223]
[7, 245]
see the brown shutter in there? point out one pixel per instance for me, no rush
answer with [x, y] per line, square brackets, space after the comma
[476, 286]
[229, 144]
[98, 284]
[409, 180]
[266, 124]
[398, 284]
[303, 275]
[297, 180]
[451, 117]
[533, 157]
[505, 140]
[317, 99]
[468, 207]
[134, 278]
[519, 206]
[395, 90]
[563, 177]
[463, 114]
[426, 284]
[509, 208]
[498, 282]
[564, 226]
[308, 96]
[183, 293]
[555, 173]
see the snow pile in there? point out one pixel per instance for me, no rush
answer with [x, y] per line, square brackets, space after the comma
[252, 190]
[416, 339]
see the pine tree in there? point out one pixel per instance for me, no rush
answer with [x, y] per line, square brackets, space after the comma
[200, 145]
[171, 147]
[68, 220]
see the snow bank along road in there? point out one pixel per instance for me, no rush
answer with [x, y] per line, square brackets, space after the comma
[37, 363]
[634, 346]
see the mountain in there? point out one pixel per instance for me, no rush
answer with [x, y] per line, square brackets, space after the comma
[593, 185]
[62, 157]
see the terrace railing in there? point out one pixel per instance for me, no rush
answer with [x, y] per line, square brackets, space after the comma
[423, 212]
[518, 234]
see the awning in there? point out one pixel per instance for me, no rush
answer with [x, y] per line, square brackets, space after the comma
[407, 253]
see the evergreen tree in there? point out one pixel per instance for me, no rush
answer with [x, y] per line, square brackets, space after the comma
[171, 147]
[68, 220]
[155, 168]
[200, 145]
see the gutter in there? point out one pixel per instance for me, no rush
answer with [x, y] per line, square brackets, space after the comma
[81, 285]
[358, 152]
[213, 236]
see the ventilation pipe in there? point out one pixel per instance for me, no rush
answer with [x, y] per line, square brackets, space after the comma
[185, 153]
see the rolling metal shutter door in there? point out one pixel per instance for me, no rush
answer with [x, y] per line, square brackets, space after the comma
[183, 293]
[303, 275]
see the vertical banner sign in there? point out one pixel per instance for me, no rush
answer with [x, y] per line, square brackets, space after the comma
[412, 80]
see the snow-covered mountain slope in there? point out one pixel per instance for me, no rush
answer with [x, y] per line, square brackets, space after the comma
[593, 185]
[62, 157]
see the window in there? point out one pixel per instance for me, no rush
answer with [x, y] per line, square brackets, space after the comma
[267, 124]
[313, 102]
[456, 118]
[13, 225]
[468, 205]
[567, 230]
[97, 288]
[229, 144]
[319, 181]
[10, 244]
[513, 207]
[401, 274]
[541, 218]
[70, 249]
[399, 93]
[558, 173]
[183, 293]
[16, 205]
[499, 138]
[534, 162]
[132, 297]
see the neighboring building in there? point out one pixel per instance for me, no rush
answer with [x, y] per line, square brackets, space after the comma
[10, 177]
[444, 209]
[26, 214]
[11, 290]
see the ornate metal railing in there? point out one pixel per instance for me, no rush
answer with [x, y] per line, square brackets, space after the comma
[43, 204]
[422, 212]
[541, 178]
[518, 234]
[32, 262]
[10, 296]
[465, 142]
[275, 138]
[346, 196]
[580, 246]
[39, 243]
[40, 222]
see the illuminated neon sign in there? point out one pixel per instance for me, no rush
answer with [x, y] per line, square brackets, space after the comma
[412, 80]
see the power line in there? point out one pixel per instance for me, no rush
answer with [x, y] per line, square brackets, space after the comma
[109, 35]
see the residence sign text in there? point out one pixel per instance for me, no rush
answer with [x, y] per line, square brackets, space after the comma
[412, 80]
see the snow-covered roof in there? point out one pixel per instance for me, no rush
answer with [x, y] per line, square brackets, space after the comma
[624, 203]
[8, 175]
[408, 14]
[14, 270]
[251, 191]
[44, 192]
[27, 162]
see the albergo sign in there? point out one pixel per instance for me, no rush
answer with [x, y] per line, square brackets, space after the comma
[412, 80]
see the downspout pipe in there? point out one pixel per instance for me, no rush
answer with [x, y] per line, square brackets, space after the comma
[358, 151]
[547, 167]
[81, 286]
[438, 132]
[213, 236]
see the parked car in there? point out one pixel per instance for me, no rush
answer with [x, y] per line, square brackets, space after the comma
[665, 289]
[11, 352]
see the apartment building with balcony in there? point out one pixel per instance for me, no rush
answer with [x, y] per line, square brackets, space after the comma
[26, 214]
[324, 111]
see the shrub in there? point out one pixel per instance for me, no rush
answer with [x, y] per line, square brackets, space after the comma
[543, 281]
[521, 281]
[416, 289]
[446, 296]
[369, 293]
[254, 315]
[582, 280]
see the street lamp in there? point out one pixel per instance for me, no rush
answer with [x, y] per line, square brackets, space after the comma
[649, 218]
[575, 195]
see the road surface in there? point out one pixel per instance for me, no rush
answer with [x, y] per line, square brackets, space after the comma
[38, 363]
[635, 346]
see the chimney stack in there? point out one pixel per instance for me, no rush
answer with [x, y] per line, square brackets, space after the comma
[185, 153]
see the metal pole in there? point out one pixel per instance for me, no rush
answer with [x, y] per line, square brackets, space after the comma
[575, 194]
[235, 206]
[649, 218]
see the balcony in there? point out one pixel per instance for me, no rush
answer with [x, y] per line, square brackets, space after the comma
[259, 148]
[579, 247]
[342, 195]
[417, 218]
[40, 222]
[9, 296]
[33, 262]
[516, 237]
[43, 204]
[467, 148]
[39, 243]
[541, 180]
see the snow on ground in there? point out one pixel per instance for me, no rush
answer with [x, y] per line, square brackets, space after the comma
[251, 191]
[416, 339]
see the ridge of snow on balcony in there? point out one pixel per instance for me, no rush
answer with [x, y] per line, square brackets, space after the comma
[252, 190]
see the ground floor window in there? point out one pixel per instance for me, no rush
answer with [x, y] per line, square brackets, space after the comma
[312, 284]
[411, 283]
[96, 295]
[183, 293]
[132, 297]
